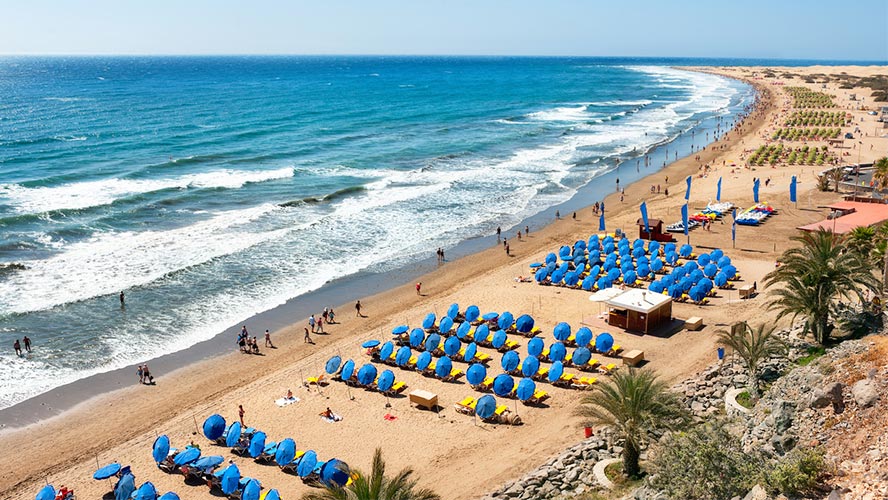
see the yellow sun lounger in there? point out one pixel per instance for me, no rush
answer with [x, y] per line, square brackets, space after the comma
[608, 368]
[584, 382]
[316, 380]
[485, 384]
[466, 406]
[538, 397]
[397, 388]
[616, 349]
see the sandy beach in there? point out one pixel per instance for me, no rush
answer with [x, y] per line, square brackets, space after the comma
[451, 453]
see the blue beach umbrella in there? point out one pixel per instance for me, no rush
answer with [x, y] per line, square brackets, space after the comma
[443, 367]
[145, 492]
[386, 351]
[499, 339]
[107, 471]
[445, 325]
[213, 428]
[424, 360]
[481, 333]
[604, 283]
[471, 350]
[490, 316]
[557, 352]
[453, 311]
[510, 361]
[604, 342]
[724, 262]
[251, 490]
[485, 407]
[675, 291]
[561, 331]
[204, 463]
[653, 247]
[584, 336]
[417, 337]
[710, 270]
[503, 384]
[525, 390]
[717, 254]
[161, 447]
[524, 323]
[432, 342]
[703, 259]
[257, 444]
[367, 374]
[535, 347]
[403, 356]
[530, 366]
[671, 258]
[335, 472]
[169, 496]
[400, 330]
[234, 433]
[370, 344]
[540, 275]
[581, 356]
[556, 371]
[505, 320]
[230, 481]
[451, 346]
[348, 369]
[386, 380]
[656, 265]
[685, 251]
[125, 487]
[429, 321]
[551, 257]
[187, 456]
[630, 277]
[307, 463]
[285, 452]
[46, 493]
[588, 281]
[656, 287]
[463, 329]
[720, 279]
[472, 313]
[272, 495]
[332, 365]
[476, 373]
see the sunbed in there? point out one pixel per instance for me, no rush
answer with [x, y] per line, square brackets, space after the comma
[607, 369]
[565, 380]
[584, 383]
[319, 380]
[466, 406]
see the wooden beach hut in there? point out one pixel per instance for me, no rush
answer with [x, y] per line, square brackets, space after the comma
[639, 310]
[656, 231]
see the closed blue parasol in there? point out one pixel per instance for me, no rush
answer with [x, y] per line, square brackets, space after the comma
[481, 333]
[307, 463]
[584, 336]
[604, 342]
[230, 479]
[720, 279]
[234, 433]
[188, 455]
[510, 361]
[161, 447]
[446, 325]
[367, 374]
[471, 350]
[403, 356]
[205, 463]
[107, 471]
[417, 337]
[125, 487]
[530, 367]
[432, 342]
[429, 321]
[285, 452]
[656, 265]
[556, 371]
[657, 286]
[540, 275]
[503, 384]
[400, 330]
[451, 346]
[581, 356]
[724, 262]
[697, 293]
[213, 428]
[536, 265]
[272, 495]
[524, 323]
[348, 370]
[463, 329]
[505, 320]
[251, 490]
[169, 496]
[443, 367]
[476, 374]
[386, 380]
[557, 352]
[630, 277]
[386, 351]
[490, 316]
[499, 339]
[453, 311]
[145, 492]
[370, 344]
[561, 331]
[525, 390]
[685, 251]
[335, 473]
[704, 259]
[588, 283]
[551, 257]
[257, 444]
[486, 406]
[472, 313]
[333, 365]
[425, 359]
[46, 493]
[535, 347]
[710, 270]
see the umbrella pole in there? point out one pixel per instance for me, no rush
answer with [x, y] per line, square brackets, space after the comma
[196, 428]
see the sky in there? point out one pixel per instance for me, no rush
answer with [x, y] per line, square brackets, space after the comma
[792, 29]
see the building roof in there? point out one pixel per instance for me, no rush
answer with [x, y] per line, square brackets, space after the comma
[863, 214]
[651, 222]
[639, 300]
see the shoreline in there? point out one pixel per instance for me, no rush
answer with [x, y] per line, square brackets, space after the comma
[342, 291]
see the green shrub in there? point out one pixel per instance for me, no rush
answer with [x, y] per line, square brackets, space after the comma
[798, 472]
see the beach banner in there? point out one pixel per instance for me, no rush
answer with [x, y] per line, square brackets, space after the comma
[792, 189]
[684, 217]
[644, 217]
[688, 190]
[718, 191]
[601, 221]
[734, 225]
[755, 191]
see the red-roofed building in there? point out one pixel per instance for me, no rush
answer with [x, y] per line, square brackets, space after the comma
[847, 215]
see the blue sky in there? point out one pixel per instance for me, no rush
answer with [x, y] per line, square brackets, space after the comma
[851, 30]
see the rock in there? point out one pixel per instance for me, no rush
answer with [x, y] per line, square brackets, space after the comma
[782, 413]
[834, 495]
[865, 393]
[757, 493]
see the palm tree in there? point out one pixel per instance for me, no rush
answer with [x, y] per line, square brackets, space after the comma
[635, 405]
[376, 486]
[753, 345]
[816, 275]
[880, 174]
[837, 175]
[861, 240]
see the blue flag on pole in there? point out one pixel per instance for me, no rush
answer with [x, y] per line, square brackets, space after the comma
[684, 217]
[644, 217]
[718, 192]
[734, 225]
[601, 222]
[792, 189]
[688, 191]
[755, 191]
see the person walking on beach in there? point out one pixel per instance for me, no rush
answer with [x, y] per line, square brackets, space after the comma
[526, 231]
[419, 288]
[324, 314]
[498, 232]
[507, 250]
[557, 215]
[358, 309]
[244, 331]
[122, 299]
[268, 340]
[321, 325]
[240, 414]
[18, 347]
[307, 338]
[311, 323]
[141, 375]
[27, 342]
[330, 317]
[147, 374]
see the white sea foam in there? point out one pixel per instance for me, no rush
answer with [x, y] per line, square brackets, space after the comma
[78, 195]
[562, 114]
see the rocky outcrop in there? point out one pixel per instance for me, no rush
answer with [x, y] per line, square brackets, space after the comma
[865, 392]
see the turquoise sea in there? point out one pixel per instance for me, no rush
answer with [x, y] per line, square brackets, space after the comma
[211, 189]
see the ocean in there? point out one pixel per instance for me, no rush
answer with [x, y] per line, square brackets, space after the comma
[210, 189]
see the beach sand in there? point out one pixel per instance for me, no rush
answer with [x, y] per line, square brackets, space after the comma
[451, 453]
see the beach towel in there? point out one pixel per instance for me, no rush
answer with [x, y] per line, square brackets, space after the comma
[389, 417]
[286, 401]
[335, 418]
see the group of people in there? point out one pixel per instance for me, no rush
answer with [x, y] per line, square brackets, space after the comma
[249, 345]
[145, 376]
[17, 345]
[440, 253]
[317, 324]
